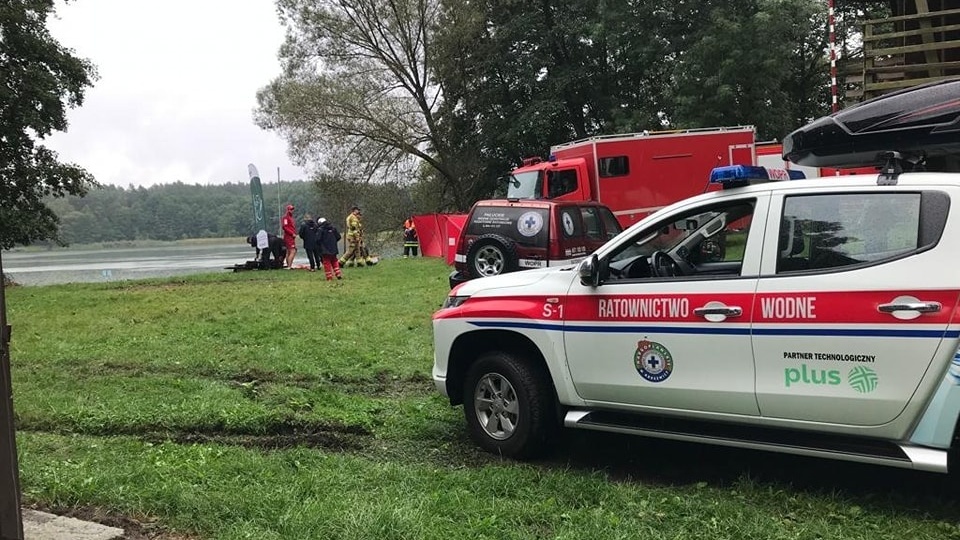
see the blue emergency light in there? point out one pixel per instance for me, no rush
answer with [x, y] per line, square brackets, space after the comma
[744, 175]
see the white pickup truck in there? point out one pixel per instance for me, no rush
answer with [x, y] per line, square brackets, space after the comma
[816, 317]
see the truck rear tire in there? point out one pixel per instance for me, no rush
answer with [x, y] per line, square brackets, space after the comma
[492, 255]
[508, 404]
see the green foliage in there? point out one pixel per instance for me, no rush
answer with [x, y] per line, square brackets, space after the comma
[274, 405]
[527, 75]
[177, 211]
[385, 206]
[40, 79]
[760, 62]
[467, 89]
[356, 91]
[180, 211]
[519, 77]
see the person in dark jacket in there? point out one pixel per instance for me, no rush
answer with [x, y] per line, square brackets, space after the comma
[310, 234]
[275, 247]
[329, 236]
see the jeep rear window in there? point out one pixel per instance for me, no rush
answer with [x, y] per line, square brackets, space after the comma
[526, 226]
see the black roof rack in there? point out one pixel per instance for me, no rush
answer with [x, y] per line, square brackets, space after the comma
[921, 124]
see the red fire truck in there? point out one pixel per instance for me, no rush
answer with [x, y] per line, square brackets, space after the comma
[634, 174]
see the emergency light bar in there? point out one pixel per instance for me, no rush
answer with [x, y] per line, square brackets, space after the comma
[733, 176]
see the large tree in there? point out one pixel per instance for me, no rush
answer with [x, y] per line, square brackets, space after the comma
[41, 79]
[520, 76]
[356, 93]
[504, 79]
[759, 62]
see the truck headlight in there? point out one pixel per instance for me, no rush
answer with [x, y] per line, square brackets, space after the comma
[454, 301]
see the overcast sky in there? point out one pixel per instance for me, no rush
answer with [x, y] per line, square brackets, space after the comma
[177, 89]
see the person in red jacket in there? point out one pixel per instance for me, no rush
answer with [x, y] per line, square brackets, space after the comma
[289, 226]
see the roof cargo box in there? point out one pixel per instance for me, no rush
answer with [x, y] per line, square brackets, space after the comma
[923, 121]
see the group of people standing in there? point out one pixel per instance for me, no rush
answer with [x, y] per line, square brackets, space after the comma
[320, 240]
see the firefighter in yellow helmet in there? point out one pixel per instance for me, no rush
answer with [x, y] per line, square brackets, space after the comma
[356, 254]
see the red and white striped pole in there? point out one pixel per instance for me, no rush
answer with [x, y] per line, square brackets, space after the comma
[833, 57]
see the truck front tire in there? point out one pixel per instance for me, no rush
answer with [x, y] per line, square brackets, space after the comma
[508, 405]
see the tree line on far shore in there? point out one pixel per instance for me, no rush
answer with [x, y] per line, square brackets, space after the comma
[179, 211]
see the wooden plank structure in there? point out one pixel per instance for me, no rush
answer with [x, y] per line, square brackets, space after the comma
[917, 44]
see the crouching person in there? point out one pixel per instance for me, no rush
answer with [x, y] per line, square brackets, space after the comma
[275, 247]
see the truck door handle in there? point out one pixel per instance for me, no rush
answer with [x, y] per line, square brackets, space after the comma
[921, 307]
[728, 311]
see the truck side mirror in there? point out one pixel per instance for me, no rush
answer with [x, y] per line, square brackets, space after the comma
[592, 271]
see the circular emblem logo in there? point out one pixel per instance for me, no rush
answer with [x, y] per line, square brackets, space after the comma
[568, 224]
[530, 223]
[863, 379]
[653, 361]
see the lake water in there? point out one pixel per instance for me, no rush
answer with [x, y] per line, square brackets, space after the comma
[112, 264]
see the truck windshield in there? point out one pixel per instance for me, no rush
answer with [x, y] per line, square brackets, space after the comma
[525, 185]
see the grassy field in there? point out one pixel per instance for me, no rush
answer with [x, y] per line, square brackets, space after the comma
[270, 405]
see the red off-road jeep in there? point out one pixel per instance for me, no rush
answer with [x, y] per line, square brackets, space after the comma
[505, 235]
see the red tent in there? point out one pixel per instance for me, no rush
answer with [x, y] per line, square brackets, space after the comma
[439, 233]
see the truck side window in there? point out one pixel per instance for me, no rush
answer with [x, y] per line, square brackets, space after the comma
[819, 232]
[591, 223]
[561, 182]
[613, 166]
[708, 241]
[610, 223]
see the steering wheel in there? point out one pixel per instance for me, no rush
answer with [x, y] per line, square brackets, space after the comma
[663, 265]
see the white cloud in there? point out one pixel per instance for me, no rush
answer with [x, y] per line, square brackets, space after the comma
[177, 90]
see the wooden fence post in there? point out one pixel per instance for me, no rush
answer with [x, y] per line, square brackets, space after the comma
[11, 520]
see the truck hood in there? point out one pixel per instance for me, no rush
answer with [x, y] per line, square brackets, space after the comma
[513, 279]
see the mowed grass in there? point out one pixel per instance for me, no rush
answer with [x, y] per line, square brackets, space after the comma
[276, 405]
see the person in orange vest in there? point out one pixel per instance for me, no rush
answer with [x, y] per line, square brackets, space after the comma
[411, 244]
